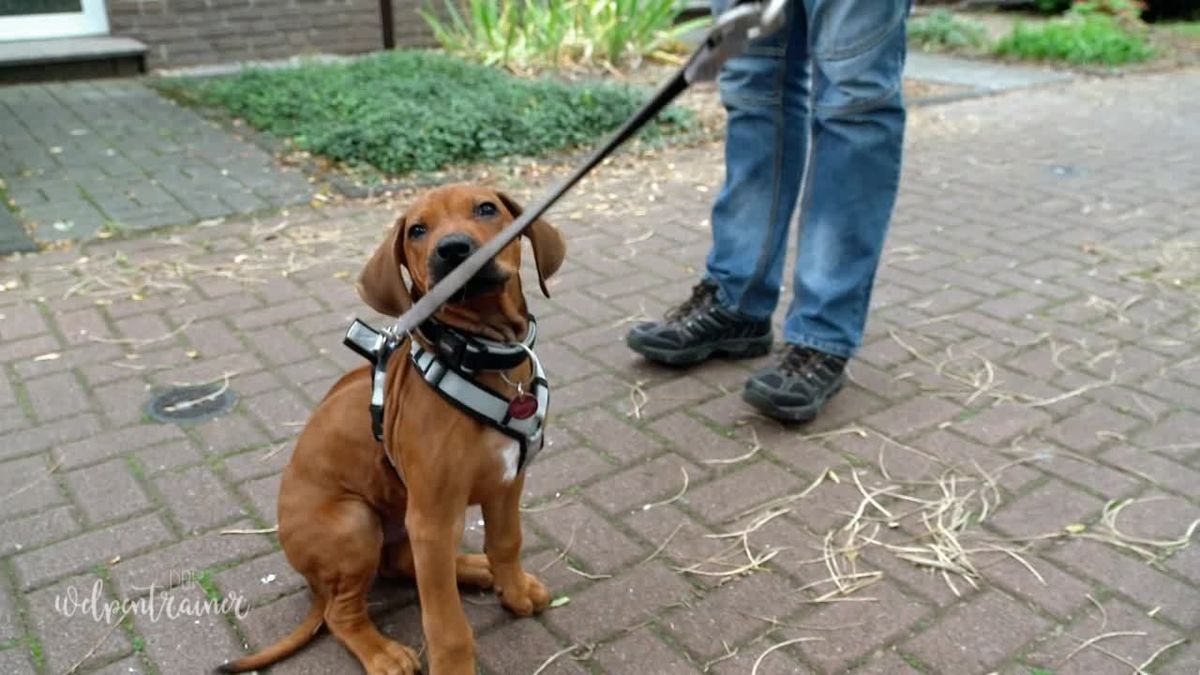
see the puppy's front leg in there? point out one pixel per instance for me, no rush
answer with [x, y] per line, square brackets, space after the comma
[521, 592]
[435, 535]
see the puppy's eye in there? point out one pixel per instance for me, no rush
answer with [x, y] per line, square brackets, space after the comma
[486, 210]
[416, 231]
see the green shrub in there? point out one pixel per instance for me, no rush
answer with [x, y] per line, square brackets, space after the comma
[552, 33]
[1078, 38]
[420, 111]
[942, 30]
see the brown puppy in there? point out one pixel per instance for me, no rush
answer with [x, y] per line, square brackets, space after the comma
[344, 513]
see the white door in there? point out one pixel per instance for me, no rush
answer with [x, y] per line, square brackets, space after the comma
[41, 19]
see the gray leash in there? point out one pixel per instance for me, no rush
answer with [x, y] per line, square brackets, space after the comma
[727, 37]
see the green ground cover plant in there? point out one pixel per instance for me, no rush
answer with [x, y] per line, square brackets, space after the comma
[1098, 32]
[407, 111]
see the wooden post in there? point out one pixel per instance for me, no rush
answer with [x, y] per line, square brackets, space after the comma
[385, 16]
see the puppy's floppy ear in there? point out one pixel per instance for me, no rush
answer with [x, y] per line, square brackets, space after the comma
[549, 247]
[381, 283]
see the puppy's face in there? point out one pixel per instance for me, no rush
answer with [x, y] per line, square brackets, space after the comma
[447, 225]
[441, 230]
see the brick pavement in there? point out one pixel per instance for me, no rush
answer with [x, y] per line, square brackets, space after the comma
[81, 156]
[1034, 338]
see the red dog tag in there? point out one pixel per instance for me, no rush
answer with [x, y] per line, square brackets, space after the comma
[522, 407]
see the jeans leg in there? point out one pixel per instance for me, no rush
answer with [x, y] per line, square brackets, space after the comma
[765, 94]
[858, 135]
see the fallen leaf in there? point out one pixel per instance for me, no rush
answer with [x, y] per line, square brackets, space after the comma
[560, 601]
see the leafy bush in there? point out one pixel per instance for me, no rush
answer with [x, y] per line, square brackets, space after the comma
[942, 30]
[1087, 34]
[420, 111]
[540, 33]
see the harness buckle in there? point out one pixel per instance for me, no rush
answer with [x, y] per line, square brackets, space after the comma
[365, 341]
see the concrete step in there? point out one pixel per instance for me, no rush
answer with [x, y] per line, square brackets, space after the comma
[978, 74]
[71, 58]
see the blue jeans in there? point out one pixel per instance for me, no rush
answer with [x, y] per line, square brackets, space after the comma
[819, 105]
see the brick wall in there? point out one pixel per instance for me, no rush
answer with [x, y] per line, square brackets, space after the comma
[190, 32]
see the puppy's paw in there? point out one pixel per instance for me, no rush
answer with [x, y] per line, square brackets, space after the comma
[394, 659]
[532, 596]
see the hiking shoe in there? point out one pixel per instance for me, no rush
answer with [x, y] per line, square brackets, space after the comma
[796, 389]
[699, 329]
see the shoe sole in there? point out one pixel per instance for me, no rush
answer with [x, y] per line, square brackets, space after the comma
[742, 348]
[762, 402]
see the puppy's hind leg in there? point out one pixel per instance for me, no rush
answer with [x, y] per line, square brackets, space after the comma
[352, 542]
[471, 569]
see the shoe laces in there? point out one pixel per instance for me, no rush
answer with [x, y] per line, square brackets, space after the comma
[810, 363]
[702, 295]
[797, 359]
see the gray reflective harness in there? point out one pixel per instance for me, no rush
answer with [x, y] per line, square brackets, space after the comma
[450, 375]
[487, 406]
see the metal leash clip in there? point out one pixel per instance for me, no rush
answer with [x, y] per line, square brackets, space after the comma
[732, 30]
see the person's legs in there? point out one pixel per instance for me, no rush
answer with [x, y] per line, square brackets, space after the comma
[858, 135]
[765, 93]
[858, 51]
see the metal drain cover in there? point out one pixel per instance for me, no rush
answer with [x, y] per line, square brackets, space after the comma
[190, 403]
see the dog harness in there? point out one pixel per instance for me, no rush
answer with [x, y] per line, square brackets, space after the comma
[449, 368]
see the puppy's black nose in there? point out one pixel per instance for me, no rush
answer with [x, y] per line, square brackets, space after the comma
[454, 248]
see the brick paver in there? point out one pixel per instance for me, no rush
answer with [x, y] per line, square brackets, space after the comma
[80, 156]
[1033, 347]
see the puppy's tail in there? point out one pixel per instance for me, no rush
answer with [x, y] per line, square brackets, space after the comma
[299, 637]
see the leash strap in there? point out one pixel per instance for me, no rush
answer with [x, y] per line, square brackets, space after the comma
[376, 347]
[728, 37]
